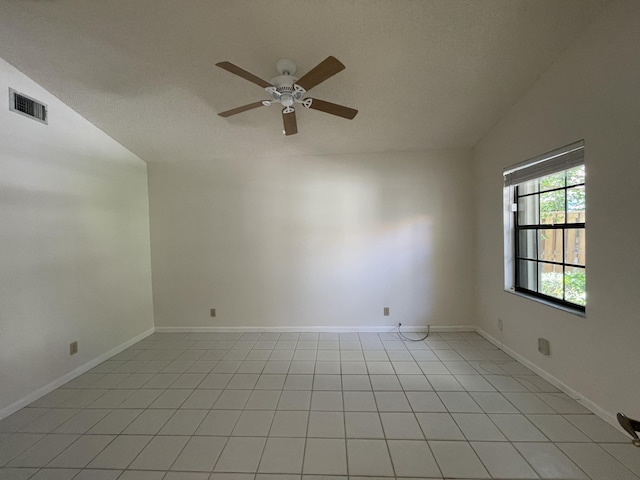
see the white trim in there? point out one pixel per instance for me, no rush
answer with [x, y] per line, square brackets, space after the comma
[577, 396]
[67, 377]
[329, 329]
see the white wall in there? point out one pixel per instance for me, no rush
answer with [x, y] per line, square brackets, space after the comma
[591, 93]
[74, 238]
[313, 241]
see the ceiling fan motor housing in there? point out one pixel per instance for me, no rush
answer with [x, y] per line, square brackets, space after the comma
[284, 89]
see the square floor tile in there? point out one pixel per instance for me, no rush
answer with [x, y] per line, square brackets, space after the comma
[301, 367]
[493, 402]
[359, 402]
[120, 452]
[401, 426]
[517, 428]
[232, 399]
[202, 399]
[22, 417]
[413, 458]
[528, 403]
[183, 422]
[82, 421]
[188, 380]
[298, 382]
[478, 426]
[218, 422]
[548, 461]
[327, 401]
[295, 400]
[216, 381]
[289, 424]
[326, 425]
[363, 425]
[149, 422]
[55, 474]
[93, 474]
[325, 457]
[503, 460]
[16, 444]
[439, 426]
[171, 398]
[459, 402]
[282, 455]
[369, 457]
[253, 423]
[159, 453]
[356, 383]
[241, 454]
[82, 451]
[425, 402]
[385, 383]
[263, 400]
[48, 422]
[327, 382]
[596, 462]
[625, 453]
[474, 383]
[557, 429]
[45, 450]
[445, 383]
[243, 381]
[140, 398]
[270, 382]
[562, 403]
[392, 402]
[597, 429]
[458, 460]
[200, 454]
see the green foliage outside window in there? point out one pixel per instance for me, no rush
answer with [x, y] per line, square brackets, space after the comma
[552, 210]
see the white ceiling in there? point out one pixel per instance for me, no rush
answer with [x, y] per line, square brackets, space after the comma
[424, 74]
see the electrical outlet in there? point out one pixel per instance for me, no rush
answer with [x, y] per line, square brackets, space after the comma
[73, 348]
[500, 324]
[386, 311]
[544, 347]
[213, 312]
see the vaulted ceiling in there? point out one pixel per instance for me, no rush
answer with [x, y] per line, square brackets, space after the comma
[424, 74]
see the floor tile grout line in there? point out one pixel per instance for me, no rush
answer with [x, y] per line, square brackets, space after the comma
[396, 374]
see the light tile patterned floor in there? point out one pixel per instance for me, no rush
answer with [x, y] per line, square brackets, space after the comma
[259, 406]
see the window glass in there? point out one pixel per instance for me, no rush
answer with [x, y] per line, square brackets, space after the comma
[549, 236]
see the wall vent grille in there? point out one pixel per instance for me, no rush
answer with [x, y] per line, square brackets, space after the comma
[27, 106]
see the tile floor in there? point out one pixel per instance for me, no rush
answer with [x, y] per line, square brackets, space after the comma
[259, 406]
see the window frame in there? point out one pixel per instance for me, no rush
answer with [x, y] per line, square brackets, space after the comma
[575, 157]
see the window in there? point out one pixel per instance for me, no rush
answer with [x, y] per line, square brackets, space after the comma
[545, 228]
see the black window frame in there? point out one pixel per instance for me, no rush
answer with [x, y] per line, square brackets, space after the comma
[536, 228]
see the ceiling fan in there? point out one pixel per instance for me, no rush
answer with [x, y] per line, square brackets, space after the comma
[288, 90]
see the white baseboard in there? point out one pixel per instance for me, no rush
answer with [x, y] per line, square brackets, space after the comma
[321, 329]
[577, 396]
[41, 392]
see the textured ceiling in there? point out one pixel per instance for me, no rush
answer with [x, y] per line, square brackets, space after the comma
[424, 74]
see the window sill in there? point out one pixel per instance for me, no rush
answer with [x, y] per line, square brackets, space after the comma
[564, 308]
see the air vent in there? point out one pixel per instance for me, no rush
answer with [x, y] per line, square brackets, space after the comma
[27, 106]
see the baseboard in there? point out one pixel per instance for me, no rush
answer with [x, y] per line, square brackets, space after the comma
[577, 396]
[41, 392]
[321, 329]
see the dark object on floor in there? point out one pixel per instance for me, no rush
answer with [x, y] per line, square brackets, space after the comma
[631, 426]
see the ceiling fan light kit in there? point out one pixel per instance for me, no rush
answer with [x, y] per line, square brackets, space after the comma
[288, 90]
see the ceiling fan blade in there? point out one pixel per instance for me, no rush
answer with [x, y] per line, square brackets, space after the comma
[236, 70]
[289, 120]
[244, 108]
[318, 74]
[333, 108]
